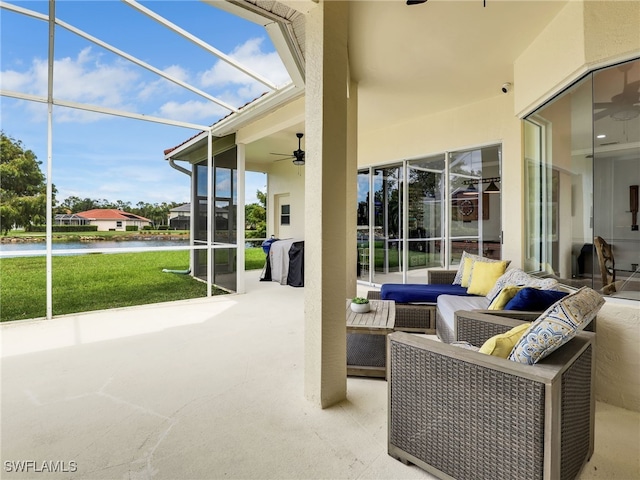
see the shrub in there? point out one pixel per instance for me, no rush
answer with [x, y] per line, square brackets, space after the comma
[66, 228]
[131, 228]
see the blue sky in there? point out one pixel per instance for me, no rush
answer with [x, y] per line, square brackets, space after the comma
[115, 158]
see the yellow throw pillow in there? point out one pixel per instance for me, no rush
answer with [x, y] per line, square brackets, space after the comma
[484, 276]
[506, 294]
[502, 344]
[467, 270]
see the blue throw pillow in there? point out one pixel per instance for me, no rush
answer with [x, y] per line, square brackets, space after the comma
[534, 299]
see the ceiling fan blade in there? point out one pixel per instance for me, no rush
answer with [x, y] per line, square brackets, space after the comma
[286, 154]
[281, 159]
[415, 2]
[599, 115]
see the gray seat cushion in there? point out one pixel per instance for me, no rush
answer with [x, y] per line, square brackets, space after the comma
[449, 304]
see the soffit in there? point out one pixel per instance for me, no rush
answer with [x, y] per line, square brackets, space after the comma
[283, 11]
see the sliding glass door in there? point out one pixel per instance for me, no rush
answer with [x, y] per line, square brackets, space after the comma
[423, 213]
[387, 225]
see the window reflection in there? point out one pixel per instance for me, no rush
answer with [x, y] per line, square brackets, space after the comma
[582, 161]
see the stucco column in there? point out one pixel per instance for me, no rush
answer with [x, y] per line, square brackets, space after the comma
[352, 189]
[240, 217]
[325, 203]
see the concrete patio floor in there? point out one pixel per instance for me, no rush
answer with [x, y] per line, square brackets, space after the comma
[207, 389]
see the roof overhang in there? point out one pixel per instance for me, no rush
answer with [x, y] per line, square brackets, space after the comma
[194, 149]
[284, 23]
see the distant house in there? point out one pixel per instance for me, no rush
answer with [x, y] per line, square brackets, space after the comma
[179, 217]
[70, 219]
[110, 219]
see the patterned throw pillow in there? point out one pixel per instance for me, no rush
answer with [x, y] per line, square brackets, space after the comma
[520, 278]
[557, 325]
[461, 268]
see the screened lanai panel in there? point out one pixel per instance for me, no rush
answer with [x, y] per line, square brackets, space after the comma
[24, 68]
[156, 73]
[224, 210]
[126, 199]
[23, 172]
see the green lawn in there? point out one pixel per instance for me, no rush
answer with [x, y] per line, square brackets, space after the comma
[99, 281]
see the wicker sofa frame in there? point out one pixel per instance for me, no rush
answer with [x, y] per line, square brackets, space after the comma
[461, 414]
[418, 317]
[468, 319]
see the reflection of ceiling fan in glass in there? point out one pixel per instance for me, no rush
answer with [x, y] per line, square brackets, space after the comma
[298, 155]
[624, 105]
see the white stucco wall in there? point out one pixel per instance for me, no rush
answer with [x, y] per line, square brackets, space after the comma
[617, 354]
[584, 35]
[490, 121]
[284, 177]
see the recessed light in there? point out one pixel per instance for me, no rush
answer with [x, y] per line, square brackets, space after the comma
[601, 136]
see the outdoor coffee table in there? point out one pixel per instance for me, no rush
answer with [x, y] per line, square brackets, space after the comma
[367, 338]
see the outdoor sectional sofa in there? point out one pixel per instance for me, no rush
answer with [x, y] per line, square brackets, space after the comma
[435, 311]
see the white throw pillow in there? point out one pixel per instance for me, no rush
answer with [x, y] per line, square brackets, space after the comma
[519, 278]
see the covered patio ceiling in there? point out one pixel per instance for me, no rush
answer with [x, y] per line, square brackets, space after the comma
[412, 61]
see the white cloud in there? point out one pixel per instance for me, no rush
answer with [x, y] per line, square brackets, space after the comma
[249, 54]
[162, 86]
[93, 78]
[80, 79]
[192, 110]
[86, 79]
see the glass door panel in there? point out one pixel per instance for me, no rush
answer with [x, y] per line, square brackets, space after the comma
[446, 204]
[387, 231]
[475, 214]
[465, 174]
[363, 226]
[425, 183]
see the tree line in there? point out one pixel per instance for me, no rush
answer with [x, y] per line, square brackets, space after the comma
[23, 196]
[158, 213]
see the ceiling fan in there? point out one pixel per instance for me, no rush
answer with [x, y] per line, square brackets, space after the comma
[624, 105]
[298, 155]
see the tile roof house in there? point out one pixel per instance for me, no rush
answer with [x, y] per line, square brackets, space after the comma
[111, 219]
